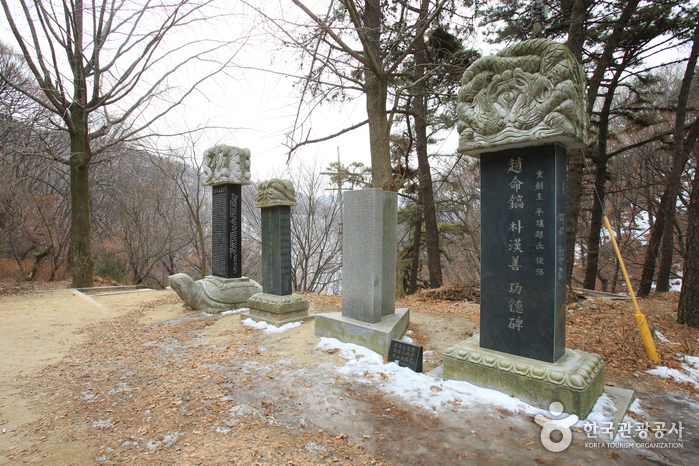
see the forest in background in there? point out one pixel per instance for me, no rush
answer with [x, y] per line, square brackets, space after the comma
[150, 215]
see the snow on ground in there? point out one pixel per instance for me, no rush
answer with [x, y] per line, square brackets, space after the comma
[691, 366]
[427, 392]
[268, 328]
[234, 311]
[661, 337]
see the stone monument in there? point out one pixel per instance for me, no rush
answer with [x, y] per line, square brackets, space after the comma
[276, 304]
[369, 246]
[518, 112]
[226, 169]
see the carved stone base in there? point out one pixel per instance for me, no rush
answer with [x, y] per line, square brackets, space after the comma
[214, 294]
[576, 380]
[377, 337]
[277, 310]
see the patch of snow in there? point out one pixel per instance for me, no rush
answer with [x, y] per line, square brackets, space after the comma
[406, 339]
[661, 337]
[602, 412]
[167, 441]
[120, 387]
[234, 311]
[268, 328]
[420, 390]
[666, 373]
[637, 408]
[315, 448]
[103, 423]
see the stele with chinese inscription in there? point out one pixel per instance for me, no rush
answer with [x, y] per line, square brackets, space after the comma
[226, 164]
[275, 192]
[530, 93]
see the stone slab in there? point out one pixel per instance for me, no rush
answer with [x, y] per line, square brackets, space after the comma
[622, 398]
[523, 252]
[276, 250]
[576, 380]
[375, 336]
[277, 310]
[369, 254]
[225, 231]
[278, 304]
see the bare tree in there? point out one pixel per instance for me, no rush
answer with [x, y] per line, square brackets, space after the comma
[100, 67]
[353, 48]
[315, 233]
[184, 172]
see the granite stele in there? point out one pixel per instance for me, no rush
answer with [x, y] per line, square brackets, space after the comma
[276, 304]
[518, 112]
[369, 316]
[226, 169]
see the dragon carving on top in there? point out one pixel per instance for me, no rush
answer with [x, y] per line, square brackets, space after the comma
[529, 93]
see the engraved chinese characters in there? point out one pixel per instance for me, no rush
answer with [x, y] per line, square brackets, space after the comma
[225, 234]
[523, 252]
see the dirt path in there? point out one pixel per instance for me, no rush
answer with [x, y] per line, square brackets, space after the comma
[137, 379]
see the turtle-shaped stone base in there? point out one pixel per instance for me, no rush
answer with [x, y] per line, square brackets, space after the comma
[214, 294]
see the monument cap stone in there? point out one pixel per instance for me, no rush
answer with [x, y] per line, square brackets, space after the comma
[226, 164]
[530, 93]
[275, 192]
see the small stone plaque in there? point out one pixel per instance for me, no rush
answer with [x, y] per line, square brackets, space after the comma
[405, 354]
[225, 234]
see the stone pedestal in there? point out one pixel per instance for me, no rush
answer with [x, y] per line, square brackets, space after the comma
[276, 305]
[576, 380]
[369, 316]
[277, 310]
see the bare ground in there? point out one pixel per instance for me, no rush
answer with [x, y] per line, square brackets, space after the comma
[139, 379]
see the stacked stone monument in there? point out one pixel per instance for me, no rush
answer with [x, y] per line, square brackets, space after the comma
[518, 112]
[369, 316]
[276, 304]
[226, 170]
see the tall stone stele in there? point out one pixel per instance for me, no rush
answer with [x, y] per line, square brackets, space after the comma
[276, 304]
[518, 112]
[226, 170]
[369, 246]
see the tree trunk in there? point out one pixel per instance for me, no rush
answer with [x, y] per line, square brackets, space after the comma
[574, 187]
[663, 228]
[82, 262]
[38, 258]
[596, 223]
[667, 251]
[688, 309]
[576, 162]
[376, 89]
[600, 179]
[415, 266]
[426, 193]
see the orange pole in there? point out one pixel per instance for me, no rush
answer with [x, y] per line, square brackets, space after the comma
[647, 338]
